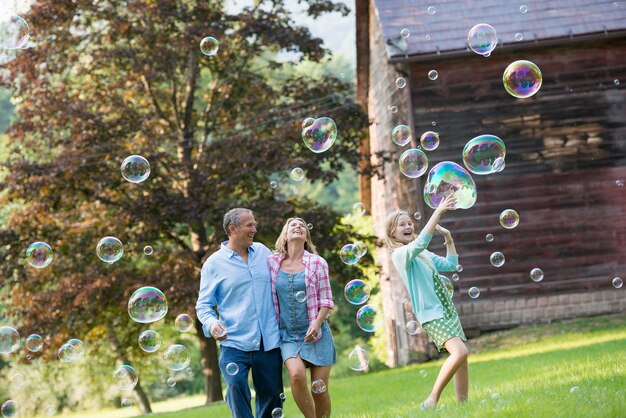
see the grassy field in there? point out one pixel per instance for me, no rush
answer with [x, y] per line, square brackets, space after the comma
[566, 369]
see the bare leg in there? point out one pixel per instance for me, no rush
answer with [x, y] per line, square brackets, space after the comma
[299, 389]
[322, 400]
[461, 382]
[458, 356]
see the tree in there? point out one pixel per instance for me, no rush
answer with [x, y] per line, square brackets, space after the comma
[109, 79]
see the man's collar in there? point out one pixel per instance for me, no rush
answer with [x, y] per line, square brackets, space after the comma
[231, 252]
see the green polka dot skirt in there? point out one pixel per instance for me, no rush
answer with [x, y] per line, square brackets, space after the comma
[442, 329]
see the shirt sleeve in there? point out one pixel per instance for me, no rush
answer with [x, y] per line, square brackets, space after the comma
[404, 255]
[448, 263]
[206, 299]
[325, 293]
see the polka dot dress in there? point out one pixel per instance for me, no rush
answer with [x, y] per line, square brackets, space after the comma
[442, 329]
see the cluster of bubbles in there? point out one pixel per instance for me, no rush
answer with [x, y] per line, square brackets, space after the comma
[350, 254]
[109, 249]
[209, 46]
[147, 304]
[449, 178]
[366, 318]
[413, 163]
[429, 140]
[183, 323]
[135, 169]
[357, 292]
[39, 254]
[177, 357]
[72, 350]
[319, 134]
[149, 341]
[125, 377]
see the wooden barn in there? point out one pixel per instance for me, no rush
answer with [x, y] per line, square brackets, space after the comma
[565, 152]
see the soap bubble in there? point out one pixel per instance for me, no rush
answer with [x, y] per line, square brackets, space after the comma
[358, 208]
[14, 32]
[616, 82]
[536, 274]
[473, 292]
[432, 10]
[394, 109]
[356, 292]
[358, 359]
[489, 237]
[273, 184]
[69, 352]
[307, 122]
[348, 254]
[232, 369]
[413, 163]
[125, 377]
[519, 36]
[148, 250]
[50, 410]
[413, 327]
[619, 183]
[401, 82]
[617, 282]
[522, 79]
[360, 248]
[34, 343]
[39, 255]
[429, 140]
[433, 74]
[297, 174]
[189, 371]
[401, 135]
[417, 216]
[9, 409]
[447, 284]
[321, 135]
[277, 413]
[209, 46]
[455, 277]
[9, 340]
[405, 33]
[183, 323]
[149, 341]
[171, 382]
[481, 153]
[574, 389]
[366, 318]
[459, 268]
[496, 259]
[509, 218]
[423, 373]
[79, 347]
[177, 357]
[135, 169]
[523, 8]
[126, 403]
[148, 304]
[449, 178]
[110, 249]
[318, 386]
[482, 39]
[16, 380]
[498, 164]
[301, 296]
[309, 226]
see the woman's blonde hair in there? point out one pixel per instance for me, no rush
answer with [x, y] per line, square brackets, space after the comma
[281, 243]
[391, 225]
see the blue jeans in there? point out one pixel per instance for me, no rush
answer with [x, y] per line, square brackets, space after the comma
[267, 378]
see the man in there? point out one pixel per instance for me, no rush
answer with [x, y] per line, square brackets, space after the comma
[236, 279]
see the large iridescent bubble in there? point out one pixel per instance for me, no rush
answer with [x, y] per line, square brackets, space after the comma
[401, 135]
[149, 341]
[482, 39]
[9, 340]
[135, 168]
[349, 254]
[125, 377]
[357, 292]
[39, 255]
[522, 79]
[484, 154]
[9, 409]
[366, 318]
[209, 46]
[429, 140]
[358, 359]
[413, 163]
[183, 323]
[14, 32]
[148, 304]
[110, 249]
[509, 218]
[177, 357]
[34, 343]
[449, 178]
[320, 135]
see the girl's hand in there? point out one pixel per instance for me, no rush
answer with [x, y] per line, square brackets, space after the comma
[443, 231]
[313, 332]
[449, 203]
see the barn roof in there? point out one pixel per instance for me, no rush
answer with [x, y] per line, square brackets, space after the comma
[445, 30]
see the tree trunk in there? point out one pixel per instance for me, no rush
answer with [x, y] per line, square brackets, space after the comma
[140, 394]
[210, 366]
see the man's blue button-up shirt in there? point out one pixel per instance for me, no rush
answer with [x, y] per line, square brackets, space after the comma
[243, 296]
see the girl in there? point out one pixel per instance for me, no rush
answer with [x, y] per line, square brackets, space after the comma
[431, 302]
[302, 298]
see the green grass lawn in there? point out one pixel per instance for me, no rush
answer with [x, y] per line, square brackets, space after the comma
[525, 372]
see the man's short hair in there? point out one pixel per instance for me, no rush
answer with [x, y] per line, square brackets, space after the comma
[232, 218]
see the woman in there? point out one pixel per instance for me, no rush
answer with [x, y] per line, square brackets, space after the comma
[431, 302]
[303, 299]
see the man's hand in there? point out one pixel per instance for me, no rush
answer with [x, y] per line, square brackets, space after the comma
[218, 331]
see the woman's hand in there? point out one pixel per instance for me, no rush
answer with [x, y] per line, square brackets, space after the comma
[444, 232]
[313, 332]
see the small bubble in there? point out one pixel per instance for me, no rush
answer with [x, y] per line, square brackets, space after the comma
[616, 82]
[433, 74]
[574, 389]
[417, 216]
[523, 8]
[519, 36]
[148, 250]
[432, 10]
[273, 184]
[423, 373]
[394, 109]
[309, 226]
[459, 268]
[401, 82]
[171, 382]
[455, 277]
[619, 183]
[616, 4]
[427, 37]
[405, 33]
[433, 123]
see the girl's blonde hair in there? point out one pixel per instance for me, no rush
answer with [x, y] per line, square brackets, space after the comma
[391, 225]
[281, 243]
